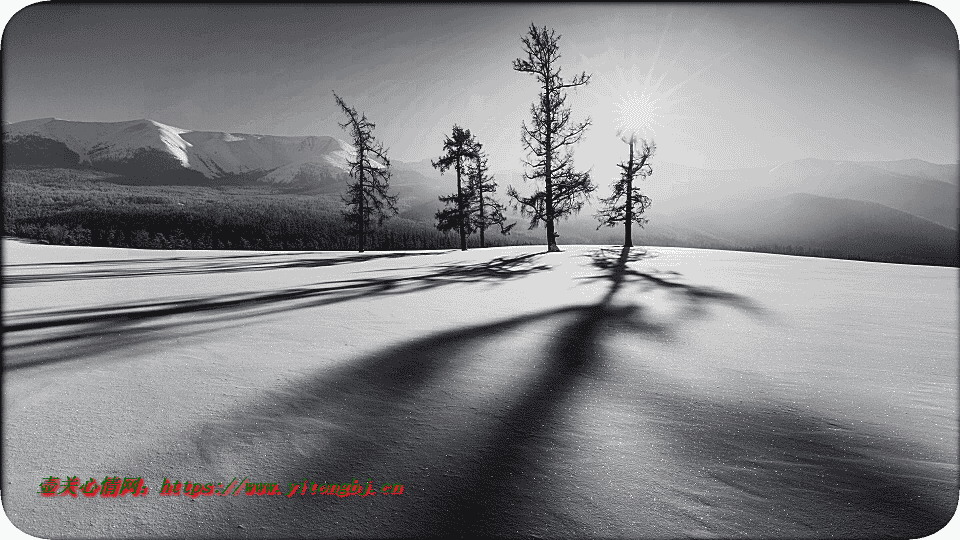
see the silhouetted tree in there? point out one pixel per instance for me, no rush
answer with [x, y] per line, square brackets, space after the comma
[371, 170]
[484, 210]
[459, 148]
[550, 138]
[626, 205]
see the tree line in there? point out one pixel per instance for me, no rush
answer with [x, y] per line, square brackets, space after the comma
[111, 215]
[559, 190]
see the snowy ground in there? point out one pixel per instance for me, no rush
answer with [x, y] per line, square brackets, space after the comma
[662, 393]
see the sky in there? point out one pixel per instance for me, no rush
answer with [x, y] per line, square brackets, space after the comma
[715, 86]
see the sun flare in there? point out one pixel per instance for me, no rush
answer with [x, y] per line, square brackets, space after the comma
[645, 95]
[643, 111]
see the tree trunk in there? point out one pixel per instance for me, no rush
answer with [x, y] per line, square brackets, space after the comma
[627, 236]
[551, 235]
[463, 234]
[361, 221]
[548, 181]
[628, 221]
[483, 223]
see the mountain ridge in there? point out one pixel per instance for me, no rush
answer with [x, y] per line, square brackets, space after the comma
[149, 148]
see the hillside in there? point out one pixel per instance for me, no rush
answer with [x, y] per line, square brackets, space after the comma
[678, 189]
[920, 169]
[934, 200]
[861, 229]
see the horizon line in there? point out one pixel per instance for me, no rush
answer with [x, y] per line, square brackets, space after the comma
[6, 123]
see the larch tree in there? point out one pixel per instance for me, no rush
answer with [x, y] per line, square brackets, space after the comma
[485, 211]
[550, 138]
[370, 168]
[626, 204]
[459, 150]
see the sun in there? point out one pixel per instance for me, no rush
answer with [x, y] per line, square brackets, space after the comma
[642, 103]
[642, 111]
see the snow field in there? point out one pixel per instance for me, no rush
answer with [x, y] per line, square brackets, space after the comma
[674, 392]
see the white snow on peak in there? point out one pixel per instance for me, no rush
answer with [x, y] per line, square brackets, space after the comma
[170, 136]
[213, 154]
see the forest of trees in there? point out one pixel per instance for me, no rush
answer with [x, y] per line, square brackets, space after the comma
[74, 207]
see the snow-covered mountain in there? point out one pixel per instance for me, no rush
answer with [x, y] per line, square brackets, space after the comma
[149, 148]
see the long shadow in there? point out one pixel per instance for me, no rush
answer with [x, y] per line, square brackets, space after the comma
[492, 501]
[368, 413]
[86, 331]
[792, 470]
[362, 419]
[193, 266]
[120, 262]
[787, 463]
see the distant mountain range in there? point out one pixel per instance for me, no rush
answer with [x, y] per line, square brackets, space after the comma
[866, 229]
[924, 189]
[906, 207]
[147, 149]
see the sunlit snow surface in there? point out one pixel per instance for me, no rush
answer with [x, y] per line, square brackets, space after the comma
[664, 392]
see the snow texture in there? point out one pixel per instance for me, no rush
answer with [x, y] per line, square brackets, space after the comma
[664, 392]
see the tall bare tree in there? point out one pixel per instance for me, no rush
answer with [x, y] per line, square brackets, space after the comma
[626, 205]
[371, 169]
[550, 138]
[485, 211]
[459, 149]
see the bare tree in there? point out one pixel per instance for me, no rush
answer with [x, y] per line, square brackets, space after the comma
[460, 149]
[626, 205]
[485, 211]
[371, 169]
[550, 138]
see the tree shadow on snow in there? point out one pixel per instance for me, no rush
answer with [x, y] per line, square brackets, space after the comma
[32, 339]
[191, 265]
[783, 470]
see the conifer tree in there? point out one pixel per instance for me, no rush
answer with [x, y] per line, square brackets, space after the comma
[626, 205]
[459, 149]
[484, 209]
[370, 167]
[550, 138]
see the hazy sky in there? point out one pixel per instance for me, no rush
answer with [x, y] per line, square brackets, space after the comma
[716, 86]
